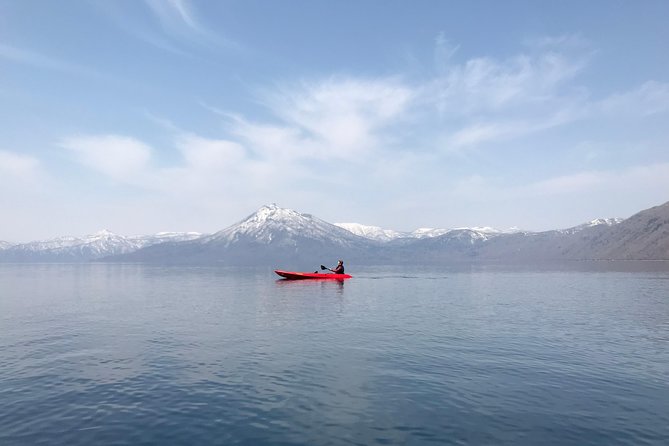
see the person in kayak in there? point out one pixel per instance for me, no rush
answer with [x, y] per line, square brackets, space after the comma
[339, 269]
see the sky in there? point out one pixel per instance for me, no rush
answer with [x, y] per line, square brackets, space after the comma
[140, 116]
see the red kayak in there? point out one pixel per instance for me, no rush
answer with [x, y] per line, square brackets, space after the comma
[291, 275]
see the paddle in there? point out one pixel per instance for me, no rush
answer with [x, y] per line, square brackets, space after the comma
[325, 267]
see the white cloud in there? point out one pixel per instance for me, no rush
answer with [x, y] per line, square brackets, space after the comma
[321, 136]
[484, 99]
[171, 25]
[444, 50]
[206, 154]
[485, 85]
[174, 14]
[561, 42]
[503, 129]
[342, 116]
[36, 59]
[650, 98]
[119, 157]
[179, 20]
[209, 170]
[17, 166]
[481, 132]
[352, 119]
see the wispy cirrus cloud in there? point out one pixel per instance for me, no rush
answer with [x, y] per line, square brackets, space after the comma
[485, 85]
[503, 129]
[180, 22]
[177, 18]
[444, 50]
[39, 60]
[343, 115]
[175, 13]
[650, 98]
[480, 101]
[173, 26]
[484, 99]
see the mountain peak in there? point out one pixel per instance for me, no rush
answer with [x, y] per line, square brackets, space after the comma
[103, 233]
[370, 232]
[274, 224]
[592, 223]
[270, 218]
[604, 221]
[274, 212]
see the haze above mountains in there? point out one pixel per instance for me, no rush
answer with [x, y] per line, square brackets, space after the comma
[276, 236]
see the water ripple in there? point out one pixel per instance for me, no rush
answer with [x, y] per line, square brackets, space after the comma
[107, 355]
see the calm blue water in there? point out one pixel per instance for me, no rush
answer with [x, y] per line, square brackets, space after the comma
[129, 354]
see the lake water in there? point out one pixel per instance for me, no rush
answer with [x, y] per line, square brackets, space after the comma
[142, 355]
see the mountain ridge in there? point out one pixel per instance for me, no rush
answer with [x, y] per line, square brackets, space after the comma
[277, 236]
[93, 246]
[270, 235]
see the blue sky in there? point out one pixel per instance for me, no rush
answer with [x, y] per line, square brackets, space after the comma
[146, 116]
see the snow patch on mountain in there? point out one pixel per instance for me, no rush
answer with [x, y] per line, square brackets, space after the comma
[163, 237]
[592, 223]
[469, 235]
[93, 246]
[5, 245]
[604, 221]
[386, 235]
[428, 232]
[371, 232]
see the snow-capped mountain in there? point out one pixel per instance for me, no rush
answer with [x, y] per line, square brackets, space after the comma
[163, 237]
[475, 232]
[5, 245]
[372, 232]
[288, 239]
[593, 223]
[427, 232]
[471, 235]
[386, 235]
[90, 247]
[274, 225]
[272, 235]
[100, 241]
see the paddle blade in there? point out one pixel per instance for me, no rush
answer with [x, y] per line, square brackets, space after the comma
[323, 267]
